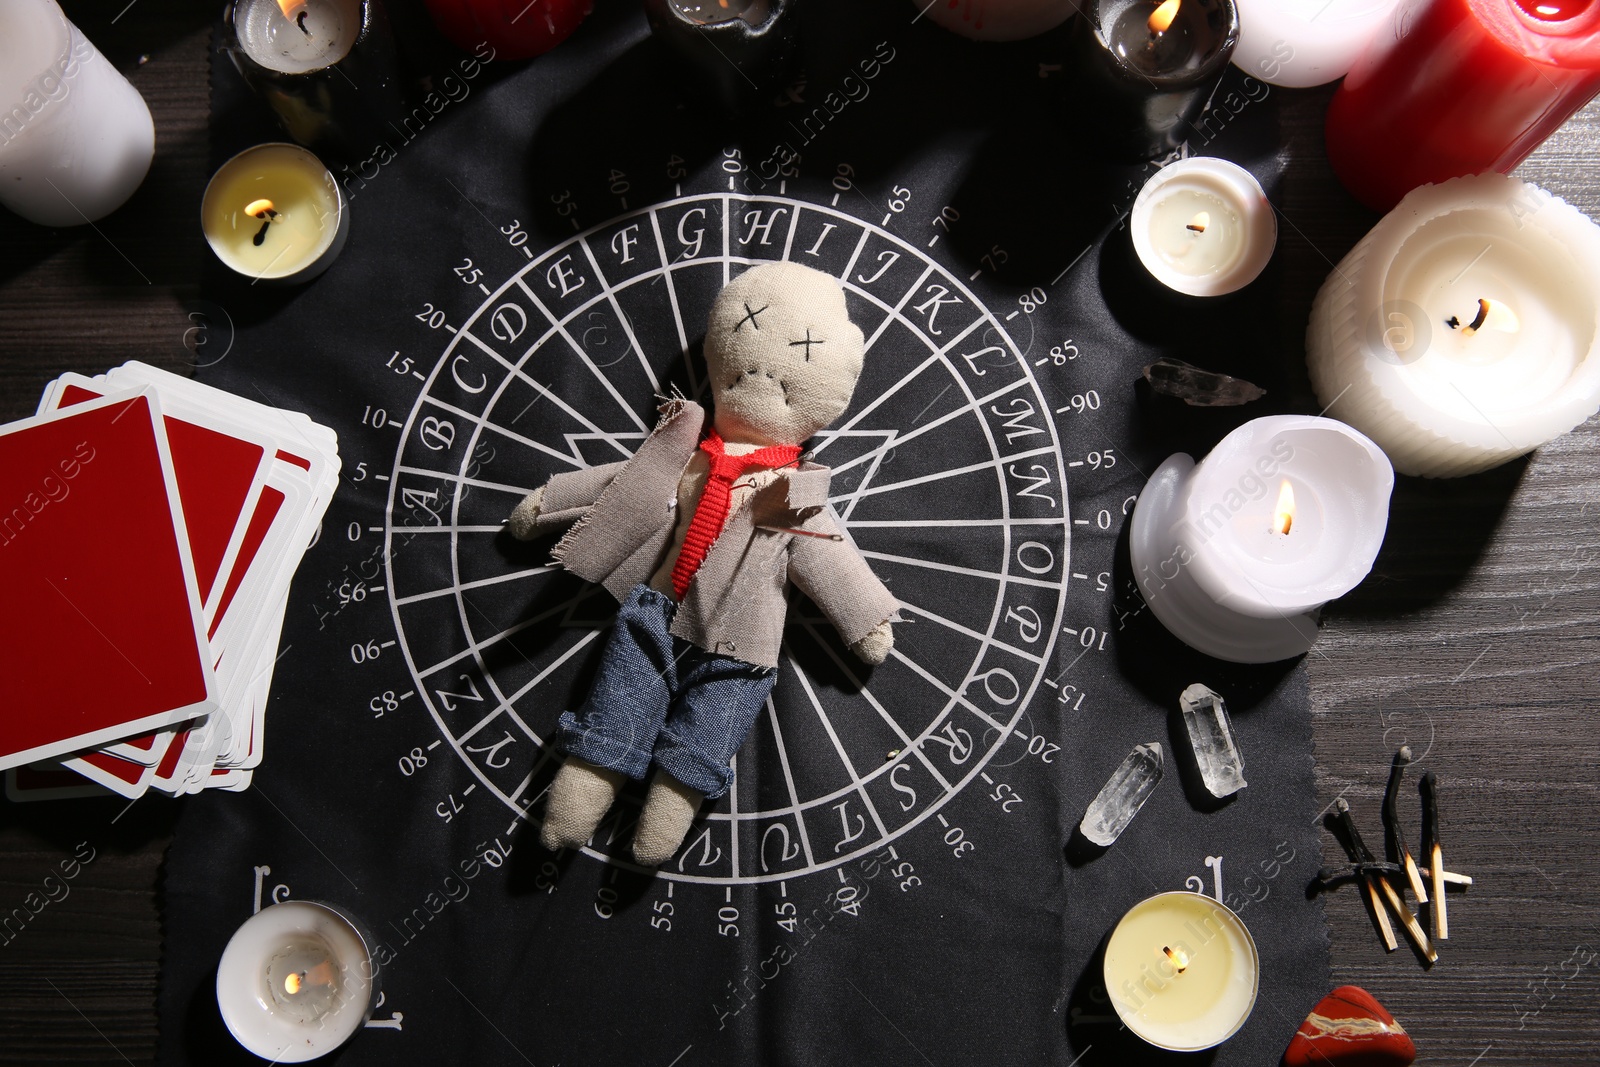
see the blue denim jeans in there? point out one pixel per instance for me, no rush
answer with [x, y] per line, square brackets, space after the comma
[659, 699]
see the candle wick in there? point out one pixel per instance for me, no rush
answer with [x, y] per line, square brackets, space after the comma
[266, 224]
[300, 20]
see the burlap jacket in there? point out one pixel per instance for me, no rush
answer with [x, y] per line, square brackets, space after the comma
[624, 514]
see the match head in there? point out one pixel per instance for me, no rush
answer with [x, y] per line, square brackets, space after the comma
[782, 353]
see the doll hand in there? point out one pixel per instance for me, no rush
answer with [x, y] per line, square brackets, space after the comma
[874, 648]
[521, 522]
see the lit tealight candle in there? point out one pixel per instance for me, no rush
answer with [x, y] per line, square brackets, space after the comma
[1203, 227]
[275, 214]
[1464, 330]
[1144, 69]
[296, 981]
[741, 49]
[1237, 555]
[995, 20]
[710, 12]
[297, 36]
[1182, 971]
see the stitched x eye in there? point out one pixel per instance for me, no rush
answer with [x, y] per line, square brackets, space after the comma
[750, 317]
[808, 342]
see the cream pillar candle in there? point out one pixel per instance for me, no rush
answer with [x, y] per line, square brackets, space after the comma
[274, 213]
[76, 139]
[1203, 227]
[1236, 555]
[1182, 971]
[1464, 330]
[1301, 43]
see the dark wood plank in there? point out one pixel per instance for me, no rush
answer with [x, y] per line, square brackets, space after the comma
[1475, 641]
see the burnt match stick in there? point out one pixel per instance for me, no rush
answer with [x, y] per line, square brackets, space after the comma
[1430, 843]
[1394, 835]
[1407, 920]
[1350, 838]
[1357, 870]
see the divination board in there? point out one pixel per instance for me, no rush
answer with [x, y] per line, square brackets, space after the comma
[893, 877]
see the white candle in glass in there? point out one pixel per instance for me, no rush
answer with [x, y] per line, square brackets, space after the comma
[1236, 555]
[1182, 971]
[297, 36]
[1301, 43]
[996, 20]
[1203, 227]
[1396, 348]
[296, 981]
[76, 139]
[274, 213]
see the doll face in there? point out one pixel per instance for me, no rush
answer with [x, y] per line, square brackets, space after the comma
[782, 353]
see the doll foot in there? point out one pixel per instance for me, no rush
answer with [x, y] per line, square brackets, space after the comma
[669, 809]
[579, 798]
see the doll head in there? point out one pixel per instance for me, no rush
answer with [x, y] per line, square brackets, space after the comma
[782, 353]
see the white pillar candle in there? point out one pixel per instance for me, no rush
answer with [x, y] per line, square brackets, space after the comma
[75, 138]
[1301, 43]
[296, 981]
[996, 20]
[1392, 346]
[297, 36]
[274, 213]
[1236, 556]
[1203, 227]
[1182, 971]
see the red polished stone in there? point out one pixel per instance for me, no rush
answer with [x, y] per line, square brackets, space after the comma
[1349, 1028]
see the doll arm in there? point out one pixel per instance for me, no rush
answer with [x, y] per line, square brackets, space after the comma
[563, 500]
[834, 574]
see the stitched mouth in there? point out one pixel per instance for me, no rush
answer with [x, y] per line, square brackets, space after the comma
[755, 375]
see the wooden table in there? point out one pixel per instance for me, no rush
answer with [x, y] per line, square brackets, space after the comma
[1474, 640]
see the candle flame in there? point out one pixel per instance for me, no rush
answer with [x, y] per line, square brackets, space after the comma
[1492, 315]
[291, 983]
[1179, 958]
[1283, 517]
[1199, 223]
[1161, 19]
[290, 7]
[260, 209]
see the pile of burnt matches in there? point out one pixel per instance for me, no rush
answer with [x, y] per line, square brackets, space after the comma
[1384, 883]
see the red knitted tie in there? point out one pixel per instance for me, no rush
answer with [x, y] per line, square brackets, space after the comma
[712, 511]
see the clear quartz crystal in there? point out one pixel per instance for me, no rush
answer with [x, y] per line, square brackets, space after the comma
[1198, 387]
[1120, 799]
[1206, 716]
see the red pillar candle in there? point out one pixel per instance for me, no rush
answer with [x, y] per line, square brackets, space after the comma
[1458, 87]
[514, 29]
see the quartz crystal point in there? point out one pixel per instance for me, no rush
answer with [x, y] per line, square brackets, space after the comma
[1120, 799]
[1200, 388]
[1206, 716]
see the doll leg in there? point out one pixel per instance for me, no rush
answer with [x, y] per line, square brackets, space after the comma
[718, 701]
[612, 735]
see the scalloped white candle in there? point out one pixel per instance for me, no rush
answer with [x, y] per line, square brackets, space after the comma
[1237, 554]
[1464, 330]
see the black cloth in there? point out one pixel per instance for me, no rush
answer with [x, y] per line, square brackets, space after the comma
[964, 928]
